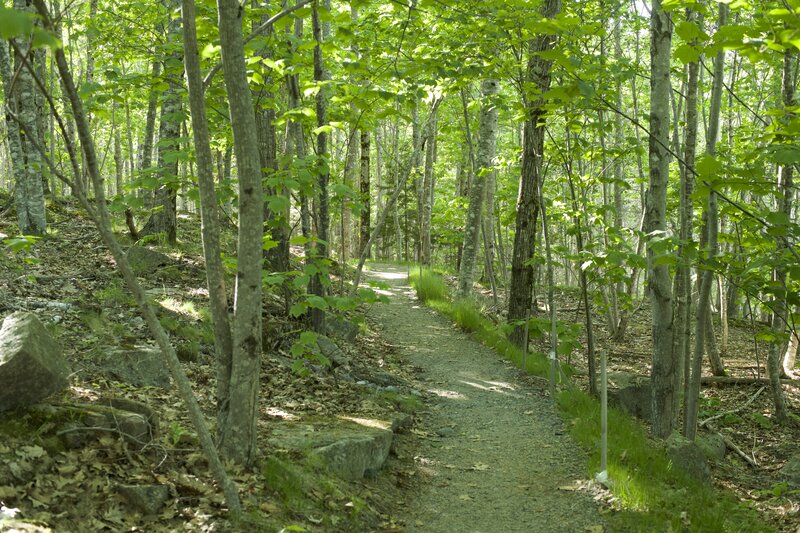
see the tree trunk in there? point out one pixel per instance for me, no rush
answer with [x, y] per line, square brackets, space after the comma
[427, 197]
[319, 280]
[209, 212]
[365, 196]
[683, 284]
[785, 203]
[31, 212]
[538, 76]
[665, 368]
[237, 428]
[163, 220]
[704, 329]
[487, 133]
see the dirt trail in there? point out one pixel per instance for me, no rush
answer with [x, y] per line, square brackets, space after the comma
[497, 457]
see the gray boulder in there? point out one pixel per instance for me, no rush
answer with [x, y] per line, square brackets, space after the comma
[631, 393]
[348, 449]
[713, 446]
[790, 472]
[330, 350]
[141, 367]
[31, 364]
[147, 499]
[143, 260]
[688, 457]
[341, 328]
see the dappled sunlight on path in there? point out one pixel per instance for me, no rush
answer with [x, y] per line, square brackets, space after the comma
[494, 455]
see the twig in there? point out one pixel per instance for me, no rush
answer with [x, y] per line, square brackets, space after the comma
[733, 411]
[732, 445]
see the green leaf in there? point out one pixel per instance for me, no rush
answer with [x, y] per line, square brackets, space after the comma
[708, 166]
[687, 53]
[14, 23]
[297, 309]
[316, 302]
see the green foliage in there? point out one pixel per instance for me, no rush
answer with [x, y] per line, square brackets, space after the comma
[468, 316]
[305, 350]
[429, 286]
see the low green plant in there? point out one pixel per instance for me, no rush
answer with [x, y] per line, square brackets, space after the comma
[468, 317]
[429, 285]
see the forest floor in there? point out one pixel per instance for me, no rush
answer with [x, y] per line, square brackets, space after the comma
[494, 455]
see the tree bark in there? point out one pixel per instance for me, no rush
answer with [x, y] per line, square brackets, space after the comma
[665, 366]
[538, 75]
[785, 203]
[31, 212]
[365, 196]
[427, 197]
[209, 211]
[487, 133]
[683, 283]
[164, 219]
[237, 428]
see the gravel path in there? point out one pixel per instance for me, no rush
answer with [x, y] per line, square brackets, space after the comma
[496, 458]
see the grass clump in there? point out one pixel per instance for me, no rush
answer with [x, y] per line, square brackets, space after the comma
[429, 286]
[655, 496]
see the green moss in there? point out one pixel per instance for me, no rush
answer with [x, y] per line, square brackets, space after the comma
[404, 402]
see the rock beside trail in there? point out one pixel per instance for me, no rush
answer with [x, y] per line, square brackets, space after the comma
[688, 457]
[330, 350]
[31, 364]
[143, 260]
[631, 393]
[350, 450]
[344, 329]
[141, 367]
[791, 471]
[147, 499]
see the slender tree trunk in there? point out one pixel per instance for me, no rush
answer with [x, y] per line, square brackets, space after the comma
[683, 283]
[427, 197]
[319, 280]
[538, 75]
[785, 203]
[209, 212]
[146, 154]
[487, 134]
[365, 196]
[665, 366]
[31, 212]
[237, 428]
[704, 326]
[164, 219]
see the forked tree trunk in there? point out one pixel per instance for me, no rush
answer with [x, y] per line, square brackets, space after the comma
[237, 428]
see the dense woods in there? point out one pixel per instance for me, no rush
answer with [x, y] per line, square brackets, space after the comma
[638, 156]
